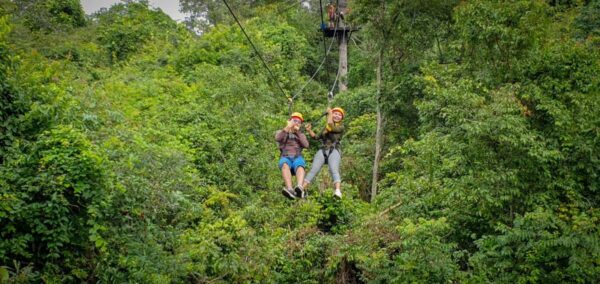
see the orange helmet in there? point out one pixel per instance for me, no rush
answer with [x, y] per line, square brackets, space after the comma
[340, 110]
[297, 115]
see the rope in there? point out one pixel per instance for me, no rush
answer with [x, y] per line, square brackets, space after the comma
[319, 68]
[256, 50]
[291, 99]
[313, 122]
[337, 76]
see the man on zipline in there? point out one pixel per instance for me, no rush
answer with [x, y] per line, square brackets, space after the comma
[330, 150]
[331, 15]
[291, 142]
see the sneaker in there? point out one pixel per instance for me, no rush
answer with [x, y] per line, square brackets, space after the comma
[300, 193]
[337, 193]
[288, 193]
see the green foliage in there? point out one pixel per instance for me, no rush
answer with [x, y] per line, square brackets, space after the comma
[500, 34]
[541, 246]
[422, 253]
[51, 15]
[30, 96]
[56, 187]
[37, 99]
[126, 28]
[209, 13]
[419, 255]
[563, 97]
[220, 250]
[3, 274]
[588, 21]
[494, 148]
[358, 160]
[132, 150]
[7, 105]
[335, 214]
[306, 258]
[280, 45]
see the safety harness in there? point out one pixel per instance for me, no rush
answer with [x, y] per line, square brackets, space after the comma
[326, 153]
[328, 148]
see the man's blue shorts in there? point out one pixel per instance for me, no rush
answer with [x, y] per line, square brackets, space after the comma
[293, 162]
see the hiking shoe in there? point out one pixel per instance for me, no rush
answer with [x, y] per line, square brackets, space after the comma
[287, 192]
[337, 193]
[300, 193]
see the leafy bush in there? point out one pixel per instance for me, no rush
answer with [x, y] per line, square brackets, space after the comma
[588, 22]
[56, 187]
[52, 15]
[541, 246]
[8, 107]
[126, 28]
[158, 164]
[335, 215]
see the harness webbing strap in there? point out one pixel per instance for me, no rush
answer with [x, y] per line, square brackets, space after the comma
[331, 148]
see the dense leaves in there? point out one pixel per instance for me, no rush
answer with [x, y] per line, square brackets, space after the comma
[48, 16]
[54, 194]
[135, 150]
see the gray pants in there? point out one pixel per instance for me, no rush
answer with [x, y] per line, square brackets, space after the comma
[334, 165]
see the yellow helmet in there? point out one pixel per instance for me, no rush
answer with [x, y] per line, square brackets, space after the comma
[340, 110]
[297, 115]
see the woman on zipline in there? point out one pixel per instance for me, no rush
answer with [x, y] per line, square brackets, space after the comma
[291, 142]
[329, 153]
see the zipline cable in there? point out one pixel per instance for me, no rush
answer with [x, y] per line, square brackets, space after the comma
[318, 68]
[330, 93]
[290, 99]
[257, 52]
[337, 76]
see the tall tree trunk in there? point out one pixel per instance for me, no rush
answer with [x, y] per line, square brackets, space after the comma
[343, 47]
[343, 68]
[379, 131]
